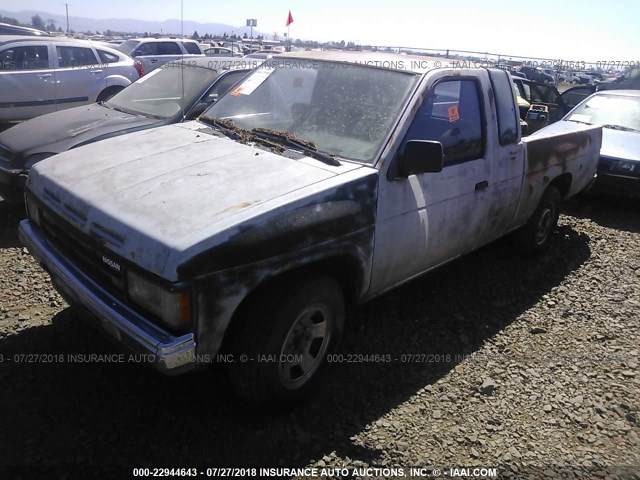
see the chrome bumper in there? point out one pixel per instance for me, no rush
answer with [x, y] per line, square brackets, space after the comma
[168, 353]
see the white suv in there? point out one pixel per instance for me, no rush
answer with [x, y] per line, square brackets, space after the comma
[155, 52]
[40, 75]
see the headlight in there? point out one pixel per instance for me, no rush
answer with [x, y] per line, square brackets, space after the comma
[32, 209]
[624, 167]
[172, 307]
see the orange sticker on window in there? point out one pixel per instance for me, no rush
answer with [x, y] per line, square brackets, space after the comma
[236, 92]
[453, 113]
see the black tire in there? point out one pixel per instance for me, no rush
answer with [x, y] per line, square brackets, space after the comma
[534, 237]
[303, 317]
[107, 93]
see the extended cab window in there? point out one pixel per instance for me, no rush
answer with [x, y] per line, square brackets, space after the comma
[451, 115]
[75, 57]
[24, 58]
[508, 120]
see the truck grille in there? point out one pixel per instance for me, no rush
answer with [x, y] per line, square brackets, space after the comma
[83, 251]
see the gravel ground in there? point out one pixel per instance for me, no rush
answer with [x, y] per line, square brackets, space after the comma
[527, 365]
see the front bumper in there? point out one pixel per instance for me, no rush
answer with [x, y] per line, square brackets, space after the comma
[619, 185]
[12, 184]
[166, 352]
[617, 181]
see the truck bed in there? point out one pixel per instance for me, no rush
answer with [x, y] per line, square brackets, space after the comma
[566, 149]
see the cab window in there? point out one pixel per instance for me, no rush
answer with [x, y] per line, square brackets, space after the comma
[452, 115]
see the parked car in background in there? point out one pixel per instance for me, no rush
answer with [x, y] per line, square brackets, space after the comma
[540, 94]
[8, 29]
[589, 78]
[618, 112]
[235, 47]
[511, 69]
[536, 75]
[261, 54]
[170, 94]
[574, 95]
[629, 80]
[155, 52]
[221, 52]
[568, 77]
[41, 75]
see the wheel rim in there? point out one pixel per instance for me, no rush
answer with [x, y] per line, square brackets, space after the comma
[305, 346]
[545, 224]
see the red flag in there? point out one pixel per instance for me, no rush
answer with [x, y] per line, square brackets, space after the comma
[289, 19]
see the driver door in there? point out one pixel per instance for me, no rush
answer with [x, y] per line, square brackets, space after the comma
[427, 219]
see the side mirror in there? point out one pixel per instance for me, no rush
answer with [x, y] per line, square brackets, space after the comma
[420, 156]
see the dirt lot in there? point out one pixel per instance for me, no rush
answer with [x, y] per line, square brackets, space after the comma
[526, 365]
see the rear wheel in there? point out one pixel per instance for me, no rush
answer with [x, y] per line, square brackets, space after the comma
[281, 346]
[535, 235]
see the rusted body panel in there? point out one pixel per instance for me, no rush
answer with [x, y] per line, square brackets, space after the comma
[563, 148]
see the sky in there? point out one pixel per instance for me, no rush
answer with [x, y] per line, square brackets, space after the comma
[570, 29]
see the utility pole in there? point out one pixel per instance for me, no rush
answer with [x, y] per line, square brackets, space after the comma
[66, 6]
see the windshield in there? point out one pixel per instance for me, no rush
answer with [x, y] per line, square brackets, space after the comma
[610, 111]
[343, 109]
[165, 92]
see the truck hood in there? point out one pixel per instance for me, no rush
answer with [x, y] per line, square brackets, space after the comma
[162, 196]
[59, 131]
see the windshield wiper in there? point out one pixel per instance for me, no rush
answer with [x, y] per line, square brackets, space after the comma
[227, 127]
[129, 112]
[620, 127]
[288, 139]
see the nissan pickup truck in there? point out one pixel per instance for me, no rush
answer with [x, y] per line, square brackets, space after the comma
[321, 181]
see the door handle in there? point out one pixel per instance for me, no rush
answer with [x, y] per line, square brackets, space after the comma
[96, 71]
[44, 75]
[481, 185]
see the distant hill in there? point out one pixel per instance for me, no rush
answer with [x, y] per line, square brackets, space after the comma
[171, 26]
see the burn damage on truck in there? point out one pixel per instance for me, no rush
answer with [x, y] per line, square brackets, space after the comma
[335, 228]
[547, 152]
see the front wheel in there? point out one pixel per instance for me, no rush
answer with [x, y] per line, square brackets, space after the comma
[281, 347]
[535, 235]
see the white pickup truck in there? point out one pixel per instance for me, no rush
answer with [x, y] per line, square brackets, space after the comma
[323, 180]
